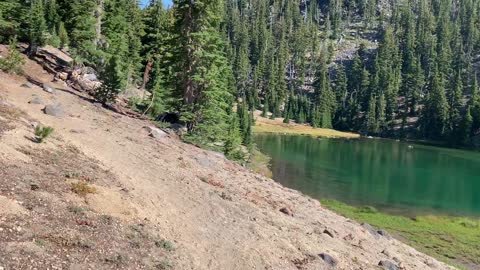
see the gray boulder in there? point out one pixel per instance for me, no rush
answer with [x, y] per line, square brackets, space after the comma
[388, 265]
[328, 259]
[54, 110]
[90, 77]
[27, 85]
[36, 100]
[370, 229]
[384, 234]
[156, 132]
[48, 88]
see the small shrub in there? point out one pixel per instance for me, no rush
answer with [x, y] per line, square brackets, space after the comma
[165, 244]
[71, 175]
[165, 264]
[53, 40]
[42, 133]
[76, 210]
[83, 188]
[13, 62]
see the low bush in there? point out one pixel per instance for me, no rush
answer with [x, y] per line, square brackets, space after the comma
[14, 60]
[42, 133]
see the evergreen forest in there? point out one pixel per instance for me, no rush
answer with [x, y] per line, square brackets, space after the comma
[388, 68]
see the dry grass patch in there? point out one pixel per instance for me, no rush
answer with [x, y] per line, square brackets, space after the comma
[264, 125]
[82, 188]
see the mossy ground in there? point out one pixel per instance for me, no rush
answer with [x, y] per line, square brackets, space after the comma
[455, 240]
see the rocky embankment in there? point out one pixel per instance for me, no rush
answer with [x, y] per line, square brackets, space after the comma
[104, 192]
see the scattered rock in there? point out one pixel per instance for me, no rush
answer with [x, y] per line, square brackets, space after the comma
[370, 229]
[384, 234]
[48, 88]
[36, 100]
[179, 129]
[205, 162]
[225, 196]
[34, 186]
[156, 132]
[433, 264]
[62, 76]
[98, 105]
[387, 253]
[286, 211]
[54, 110]
[329, 232]
[328, 259]
[34, 124]
[27, 85]
[91, 77]
[78, 131]
[388, 265]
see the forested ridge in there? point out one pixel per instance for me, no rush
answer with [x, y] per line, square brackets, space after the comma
[398, 68]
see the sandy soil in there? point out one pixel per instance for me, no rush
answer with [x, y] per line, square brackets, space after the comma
[217, 214]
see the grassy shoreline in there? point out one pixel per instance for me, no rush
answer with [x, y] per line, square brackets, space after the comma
[454, 240]
[276, 126]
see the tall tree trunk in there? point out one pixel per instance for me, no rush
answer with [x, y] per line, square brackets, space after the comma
[146, 76]
[98, 24]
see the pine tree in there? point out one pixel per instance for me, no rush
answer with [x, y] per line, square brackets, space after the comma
[202, 70]
[111, 77]
[435, 114]
[51, 15]
[455, 107]
[62, 35]
[81, 24]
[233, 140]
[474, 104]
[37, 27]
[371, 121]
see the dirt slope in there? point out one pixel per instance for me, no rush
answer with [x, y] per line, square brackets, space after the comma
[157, 203]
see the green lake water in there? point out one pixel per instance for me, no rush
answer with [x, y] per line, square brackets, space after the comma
[395, 177]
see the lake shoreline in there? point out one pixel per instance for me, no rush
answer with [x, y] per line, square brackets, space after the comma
[276, 126]
[450, 239]
[449, 234]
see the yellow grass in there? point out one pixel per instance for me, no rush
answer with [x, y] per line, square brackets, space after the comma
[264, 125]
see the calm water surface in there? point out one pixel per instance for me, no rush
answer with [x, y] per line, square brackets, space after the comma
[386, 174]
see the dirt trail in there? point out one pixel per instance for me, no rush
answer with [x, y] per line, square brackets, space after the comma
[218, 214]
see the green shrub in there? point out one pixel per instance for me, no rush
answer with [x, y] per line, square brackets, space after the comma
[13, 62]
[165, 244]
[42, 133]
[53, 40]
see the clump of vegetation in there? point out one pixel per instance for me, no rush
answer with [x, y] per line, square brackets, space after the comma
[453, 240]
[13, 62]
[164, 264]
[42, 133]
[82, 188]
[72, 175]
[77, 210]
[165, 244]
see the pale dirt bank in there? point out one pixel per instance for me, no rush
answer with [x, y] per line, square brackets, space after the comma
[152, 194]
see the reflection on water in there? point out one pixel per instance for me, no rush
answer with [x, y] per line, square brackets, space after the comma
[389, 175]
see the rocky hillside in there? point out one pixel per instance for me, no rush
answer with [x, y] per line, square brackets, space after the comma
[105, 192]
